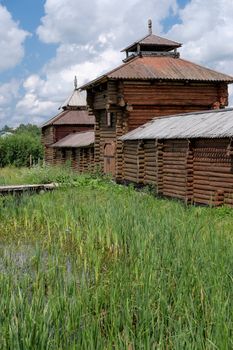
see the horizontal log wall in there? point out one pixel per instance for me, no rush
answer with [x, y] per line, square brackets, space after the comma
[49, 155]
[212, 172]
[142, 114]
[48, 136]
[168, 93]
[151, 99]
[150, 162]
[174, 169]
[196, 171]
[131, 161]
[98, 100]
[61, 131]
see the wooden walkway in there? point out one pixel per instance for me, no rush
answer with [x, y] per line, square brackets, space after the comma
[20, 189]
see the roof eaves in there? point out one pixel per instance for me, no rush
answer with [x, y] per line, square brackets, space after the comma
[102, 79]
[106, 76]
[135, 43]
[52, 120]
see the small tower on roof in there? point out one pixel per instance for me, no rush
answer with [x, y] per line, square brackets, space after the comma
[152, 45]
[76, 101]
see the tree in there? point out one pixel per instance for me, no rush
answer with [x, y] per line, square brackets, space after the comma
[21, 148]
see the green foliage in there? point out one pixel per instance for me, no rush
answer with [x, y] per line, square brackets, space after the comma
[102, 266]
[31, 129]
[21, 148]
[18, 148]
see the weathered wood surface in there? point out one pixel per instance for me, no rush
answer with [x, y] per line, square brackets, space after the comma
[198, 171]
[54, 133]
[81, 159]
[136, 102]
[18, 189]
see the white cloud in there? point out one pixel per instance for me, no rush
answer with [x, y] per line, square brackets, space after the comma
[90, 35]
[81, 22]
[206, 29]
[11, 40]
[8, 92]
[89, 45]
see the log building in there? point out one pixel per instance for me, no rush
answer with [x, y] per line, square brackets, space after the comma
[153, 81]
[187, 156]
[69, 136]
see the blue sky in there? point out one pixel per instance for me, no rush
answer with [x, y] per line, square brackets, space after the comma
[44, 43]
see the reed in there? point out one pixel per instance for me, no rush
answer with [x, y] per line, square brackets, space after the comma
[101, 266]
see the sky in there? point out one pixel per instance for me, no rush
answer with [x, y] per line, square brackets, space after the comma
[45, 43]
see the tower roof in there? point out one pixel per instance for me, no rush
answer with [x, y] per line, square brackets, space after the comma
[155, 42]
[74, 111]
[76, 100]
[151, 44]
[161, 68]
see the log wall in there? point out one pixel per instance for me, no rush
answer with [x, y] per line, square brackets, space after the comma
[48, 138]
[212, 172]
[61, 131]
[135, 103]
[81, 159]
[196, 171]
[150, 99]
[110, 135]
[103, 95]
[150, 162]
[130, 170]
[54, 133]
[174, 169]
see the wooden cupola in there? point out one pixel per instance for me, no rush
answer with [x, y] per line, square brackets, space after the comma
[152, 45]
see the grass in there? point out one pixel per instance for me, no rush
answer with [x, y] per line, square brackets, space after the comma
[101, 266]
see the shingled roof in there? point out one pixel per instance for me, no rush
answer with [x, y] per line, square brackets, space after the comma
[161, 68]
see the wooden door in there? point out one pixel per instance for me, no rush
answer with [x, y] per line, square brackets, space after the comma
[109, 158]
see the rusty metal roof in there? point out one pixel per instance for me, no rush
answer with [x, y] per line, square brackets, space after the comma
[167, 68]
[161, 68]
[71, 117]
[206, 124]
[153, 40]
[75, 140]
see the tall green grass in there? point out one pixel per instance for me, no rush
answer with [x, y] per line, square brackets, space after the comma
[100, 266]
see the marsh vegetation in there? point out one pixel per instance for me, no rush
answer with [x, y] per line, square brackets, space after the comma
[97, 265]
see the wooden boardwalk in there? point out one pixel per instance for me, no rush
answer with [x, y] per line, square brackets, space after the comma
[20, 189]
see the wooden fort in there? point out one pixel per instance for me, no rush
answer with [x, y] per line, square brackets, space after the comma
[187, 156]
[69, 136]
[152, 82]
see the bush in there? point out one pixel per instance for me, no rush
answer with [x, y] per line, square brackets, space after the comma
[17, 150]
